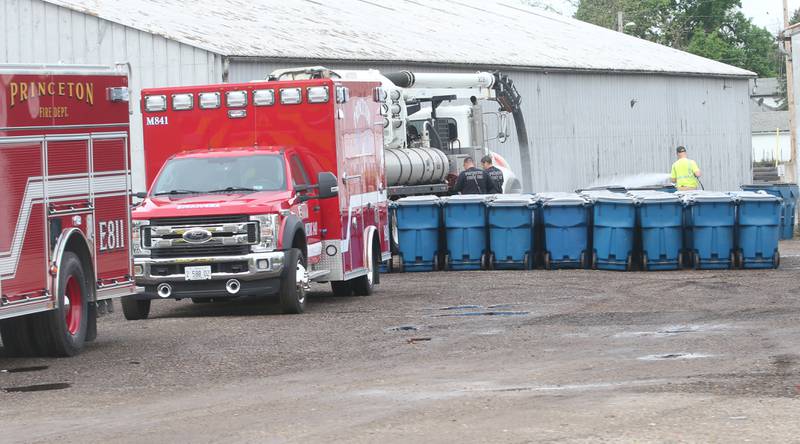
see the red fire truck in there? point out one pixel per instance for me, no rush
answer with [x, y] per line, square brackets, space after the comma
[65, 211]
[259, 188]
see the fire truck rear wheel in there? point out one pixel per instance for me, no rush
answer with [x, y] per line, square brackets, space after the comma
[294, 283]
[341, 288]
[365, 285]
[134, 309]
[64, 329]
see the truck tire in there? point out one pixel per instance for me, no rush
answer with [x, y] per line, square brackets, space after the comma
[135, 309]
[341, 288]
[64, 328]
[365, 285]
[293, 283]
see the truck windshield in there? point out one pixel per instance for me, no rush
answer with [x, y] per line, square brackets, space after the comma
[221, 174]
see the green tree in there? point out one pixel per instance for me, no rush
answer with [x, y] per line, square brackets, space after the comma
[715, 29]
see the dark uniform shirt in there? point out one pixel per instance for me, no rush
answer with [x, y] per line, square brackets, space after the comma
[471, 181]
[494, 180]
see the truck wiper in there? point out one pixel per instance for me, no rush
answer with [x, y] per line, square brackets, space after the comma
[163, 193]
[229, 189]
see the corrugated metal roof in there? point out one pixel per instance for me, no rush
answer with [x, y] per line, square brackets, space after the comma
[769, 122]
[463, 32]
[764, 87]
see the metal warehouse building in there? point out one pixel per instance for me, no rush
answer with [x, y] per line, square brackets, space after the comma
[597, 103]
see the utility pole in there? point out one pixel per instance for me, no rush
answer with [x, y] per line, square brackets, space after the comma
[621, 26]
[791, 170]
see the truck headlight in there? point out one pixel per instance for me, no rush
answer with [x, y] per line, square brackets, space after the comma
[267, 232]
[140, 235]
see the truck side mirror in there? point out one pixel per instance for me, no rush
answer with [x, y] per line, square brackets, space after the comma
[328, 185]
[140, 194]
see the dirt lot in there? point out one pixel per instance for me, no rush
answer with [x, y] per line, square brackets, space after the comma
[574, 356]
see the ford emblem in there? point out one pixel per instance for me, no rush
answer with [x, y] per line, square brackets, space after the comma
[197, 236]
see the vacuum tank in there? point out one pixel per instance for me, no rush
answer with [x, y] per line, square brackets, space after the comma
[415, 166]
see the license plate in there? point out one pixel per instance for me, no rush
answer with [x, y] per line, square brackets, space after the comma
[202, 273]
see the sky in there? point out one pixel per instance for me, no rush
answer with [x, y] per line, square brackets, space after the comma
[766, 13]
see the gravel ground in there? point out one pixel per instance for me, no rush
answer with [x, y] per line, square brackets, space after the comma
[575, 356]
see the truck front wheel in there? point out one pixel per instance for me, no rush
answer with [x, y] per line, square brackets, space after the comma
[135, 309]
[294, 283]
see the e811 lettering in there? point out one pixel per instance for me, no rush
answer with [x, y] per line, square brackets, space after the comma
[112, 235]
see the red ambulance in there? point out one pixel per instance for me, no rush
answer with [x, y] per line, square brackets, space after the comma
[65, 210]
[258, 189]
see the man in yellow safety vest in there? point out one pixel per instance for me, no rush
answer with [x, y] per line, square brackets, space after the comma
[685, 172]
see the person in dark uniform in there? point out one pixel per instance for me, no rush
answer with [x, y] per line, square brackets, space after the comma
[472, 180]
[494, 177]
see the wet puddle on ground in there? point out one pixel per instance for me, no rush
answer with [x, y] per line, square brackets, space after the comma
[673, 356]
[34, 368]
[482, 313]
[403, 328]
[38, 388]
[673, 330]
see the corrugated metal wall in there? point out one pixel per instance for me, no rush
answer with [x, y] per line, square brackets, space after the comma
[586, 127]
[32, 31]
[582, 127]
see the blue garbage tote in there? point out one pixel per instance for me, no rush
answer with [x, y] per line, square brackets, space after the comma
[417, 221]
[757, 229]
[613, 230]
[465, 232]
[660, 217]
[789, 192]
[511, 225]
[565, 229]
[710, 218]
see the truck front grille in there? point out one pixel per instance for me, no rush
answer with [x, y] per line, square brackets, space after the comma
[196, 251]
[227, 236]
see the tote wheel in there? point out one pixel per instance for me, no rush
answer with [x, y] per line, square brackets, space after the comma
[734, 263]
[644, 262]
[629, 263]
[526, 261]
[594, 261]
[446, 264]
[681, 260]
[547, 262]
[696, 261]
[776, 259]
[436, 265]
[484, 261]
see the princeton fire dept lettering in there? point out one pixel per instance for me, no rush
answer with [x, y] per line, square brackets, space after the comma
[20, 92]
[112, 235]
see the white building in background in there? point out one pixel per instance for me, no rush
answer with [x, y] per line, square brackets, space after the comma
[771, 137]
[597, 103]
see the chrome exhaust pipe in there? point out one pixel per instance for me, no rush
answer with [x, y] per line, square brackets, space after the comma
[233, 286]
[164, 290]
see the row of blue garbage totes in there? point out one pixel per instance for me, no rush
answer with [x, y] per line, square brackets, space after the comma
[608, 229]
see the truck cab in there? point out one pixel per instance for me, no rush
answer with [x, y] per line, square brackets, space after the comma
[259, 189]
